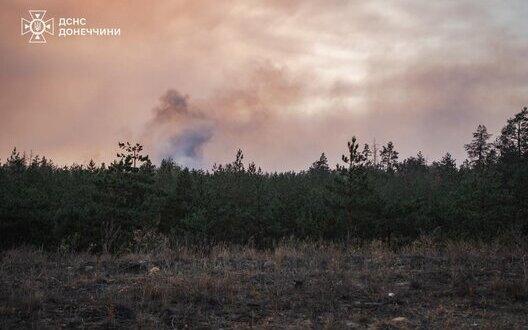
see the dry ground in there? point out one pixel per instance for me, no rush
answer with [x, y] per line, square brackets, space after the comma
[294, 286]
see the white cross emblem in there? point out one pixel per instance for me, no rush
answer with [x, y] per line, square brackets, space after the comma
[37, 26]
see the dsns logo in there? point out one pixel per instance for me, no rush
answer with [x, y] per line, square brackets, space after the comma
[37, 26]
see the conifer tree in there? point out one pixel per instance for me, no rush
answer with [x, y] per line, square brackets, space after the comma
[353, 186]
[479, 147]
[513, 141]
[320, 165]
[389, 157]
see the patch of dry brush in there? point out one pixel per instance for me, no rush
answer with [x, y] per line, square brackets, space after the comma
[295, 285]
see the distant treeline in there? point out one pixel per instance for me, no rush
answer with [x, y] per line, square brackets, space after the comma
[370, 196]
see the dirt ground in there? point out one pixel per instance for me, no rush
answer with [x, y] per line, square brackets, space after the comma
[295, 286]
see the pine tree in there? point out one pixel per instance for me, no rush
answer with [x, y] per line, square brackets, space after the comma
[91, 166]
[237, 165]
[446, 166]
[448, 161]
[513, 140]
[15, 162]
[389, 157]
[130, 157]
[320, 165]
[479, 147]
[367, 155]
[413, 165]
[353, 187]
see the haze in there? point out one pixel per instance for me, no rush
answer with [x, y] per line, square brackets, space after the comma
[282, 80]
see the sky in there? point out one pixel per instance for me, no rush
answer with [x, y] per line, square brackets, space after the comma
[284, 80]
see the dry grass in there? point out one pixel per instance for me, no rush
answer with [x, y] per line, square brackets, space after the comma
[294, 286]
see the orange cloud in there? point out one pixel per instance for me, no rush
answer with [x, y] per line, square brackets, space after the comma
[284, 80]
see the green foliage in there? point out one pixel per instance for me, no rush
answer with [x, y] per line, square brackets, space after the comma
[104, 208]
[513, 141]
[320, 166]
[389, 157]
[479, 148]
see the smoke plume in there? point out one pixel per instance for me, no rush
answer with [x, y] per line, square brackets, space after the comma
[282, 80]
[179, 131]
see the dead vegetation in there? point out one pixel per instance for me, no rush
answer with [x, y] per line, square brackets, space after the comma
[296, 285]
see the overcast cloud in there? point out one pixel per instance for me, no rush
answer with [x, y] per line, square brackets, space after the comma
[283, 80]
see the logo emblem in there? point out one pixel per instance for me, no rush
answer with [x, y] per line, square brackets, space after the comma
[37, 26]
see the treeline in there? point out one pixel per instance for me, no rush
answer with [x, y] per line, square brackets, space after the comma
[109, 207]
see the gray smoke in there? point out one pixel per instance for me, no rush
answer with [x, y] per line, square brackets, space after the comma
[178, 130]
[186, 148]
[171, 103]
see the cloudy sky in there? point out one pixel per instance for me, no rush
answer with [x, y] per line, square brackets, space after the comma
[282, 80]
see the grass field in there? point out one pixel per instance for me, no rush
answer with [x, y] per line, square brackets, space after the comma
[295, 285]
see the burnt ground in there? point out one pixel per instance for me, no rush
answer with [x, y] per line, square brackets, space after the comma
[294, 286]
